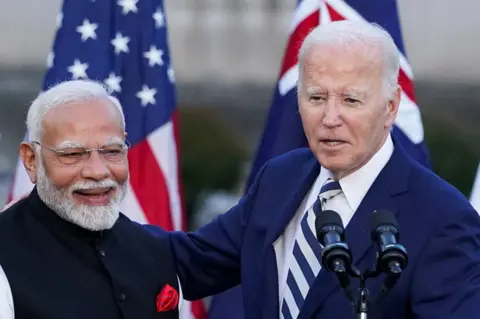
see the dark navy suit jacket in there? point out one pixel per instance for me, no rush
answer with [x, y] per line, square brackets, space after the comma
[438, 227]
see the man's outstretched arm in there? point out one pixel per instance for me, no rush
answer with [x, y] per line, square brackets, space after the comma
[208, 260]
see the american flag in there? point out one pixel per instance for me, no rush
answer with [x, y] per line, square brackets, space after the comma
[124, 44]
[283, 129]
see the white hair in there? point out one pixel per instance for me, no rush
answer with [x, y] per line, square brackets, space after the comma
[64, 93]
[347, 32]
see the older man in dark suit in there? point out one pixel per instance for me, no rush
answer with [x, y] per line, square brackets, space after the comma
[348, 99]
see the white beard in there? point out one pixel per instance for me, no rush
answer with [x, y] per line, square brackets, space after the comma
[94, 218]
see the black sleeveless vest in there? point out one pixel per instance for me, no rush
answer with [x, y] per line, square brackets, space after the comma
[57, 270]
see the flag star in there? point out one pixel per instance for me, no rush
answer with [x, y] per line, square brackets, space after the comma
[171, 74]
[120, 43]
[128, 5]
[113, 82]
[87, 30]
[159, 18]
[78, 69]
[59, 20]
[147, 95]
[50, 58]
[154, 56]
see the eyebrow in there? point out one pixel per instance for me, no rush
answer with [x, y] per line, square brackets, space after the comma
[348, 93]
[115, 140]
[354, 94]
[312, 90]
[68, 144]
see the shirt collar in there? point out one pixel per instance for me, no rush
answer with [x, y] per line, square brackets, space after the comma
[356, 185]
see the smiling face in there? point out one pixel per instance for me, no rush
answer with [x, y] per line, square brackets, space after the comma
[87, 191]
[342, 102]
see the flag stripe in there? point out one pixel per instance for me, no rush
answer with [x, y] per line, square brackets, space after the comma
[149, 185]
[296, 39]
[176, 134]
[406, 84]
[130, 204]
[304, 10]
[162, 144]
[409, 120]
[289, 80]
[334, 15]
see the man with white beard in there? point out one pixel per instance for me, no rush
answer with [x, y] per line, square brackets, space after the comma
[66, 251]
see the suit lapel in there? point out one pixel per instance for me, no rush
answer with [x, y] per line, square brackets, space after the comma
[391, 181]
[300, 185]
[300, 181]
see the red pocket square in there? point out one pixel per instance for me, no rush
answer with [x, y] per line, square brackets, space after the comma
[167, 299]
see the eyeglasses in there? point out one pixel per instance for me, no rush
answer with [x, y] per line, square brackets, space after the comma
[76, 155]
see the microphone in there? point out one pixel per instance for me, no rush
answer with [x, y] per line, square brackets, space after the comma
[336, 255]
[392, 255]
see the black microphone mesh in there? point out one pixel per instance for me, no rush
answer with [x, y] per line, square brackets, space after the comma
[382, 217]
[327, 217]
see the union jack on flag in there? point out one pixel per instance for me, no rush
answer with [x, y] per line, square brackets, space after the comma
[283, 131]
[124, 44]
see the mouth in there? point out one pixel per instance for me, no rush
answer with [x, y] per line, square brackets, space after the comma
[94, 196]
[332, 142]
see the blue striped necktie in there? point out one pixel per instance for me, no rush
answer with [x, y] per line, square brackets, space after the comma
[307, 255]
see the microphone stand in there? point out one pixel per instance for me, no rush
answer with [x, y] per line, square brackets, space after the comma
[362, 306]
[362, 302]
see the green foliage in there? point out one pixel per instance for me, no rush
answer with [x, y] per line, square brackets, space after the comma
[212, 157]
[452, 154]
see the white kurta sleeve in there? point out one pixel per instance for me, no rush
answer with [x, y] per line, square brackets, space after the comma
[6, 298]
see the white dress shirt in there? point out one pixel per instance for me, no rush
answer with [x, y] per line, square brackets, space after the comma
[354, 188]
[6, 299]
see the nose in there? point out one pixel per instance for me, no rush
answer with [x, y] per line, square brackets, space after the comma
[331, 117]
[95, 168]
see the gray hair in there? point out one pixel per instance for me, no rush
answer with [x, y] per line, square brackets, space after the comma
[64, 93]
[348, 32]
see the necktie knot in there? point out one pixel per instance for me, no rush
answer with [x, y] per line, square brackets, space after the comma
[330, 189]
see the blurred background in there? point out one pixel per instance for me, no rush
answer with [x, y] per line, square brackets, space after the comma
[227, 55]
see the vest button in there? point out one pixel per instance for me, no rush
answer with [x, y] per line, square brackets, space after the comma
[122, 296]
[102, 252]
